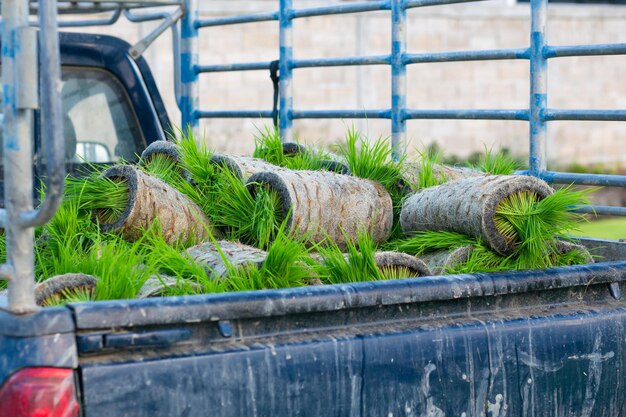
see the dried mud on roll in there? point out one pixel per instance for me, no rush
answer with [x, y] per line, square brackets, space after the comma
[244, 166]
[61, 285]
[161, 147]
[468, 206]
[401, 261]
[565, 247]
[412, 172]
[150, 200]
[237, 254]
[324, 204]
[440, 262]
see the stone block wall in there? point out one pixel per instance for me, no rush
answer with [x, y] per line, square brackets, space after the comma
[585, 82]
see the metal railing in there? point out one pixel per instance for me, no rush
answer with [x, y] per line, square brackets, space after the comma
[538, 54]
[31, 80]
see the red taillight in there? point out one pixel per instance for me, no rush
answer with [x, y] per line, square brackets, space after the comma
[39, 392]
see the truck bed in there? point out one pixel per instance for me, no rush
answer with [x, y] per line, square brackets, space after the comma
[527, 343]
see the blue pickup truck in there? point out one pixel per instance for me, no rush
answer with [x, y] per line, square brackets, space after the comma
[524, 343]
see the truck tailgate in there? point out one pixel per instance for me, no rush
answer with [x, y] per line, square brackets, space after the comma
[532, 343]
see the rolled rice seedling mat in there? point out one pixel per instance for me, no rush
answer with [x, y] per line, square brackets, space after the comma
[334, 163]
[58, 287]
[161, 147]
[468, 206]
[444, 172]
[237, 254]
[392, 262]
[440, 262]
[563, 247]
[324, 205]
[397, 262]
[156, 286]
[150, 199]
[244, 166]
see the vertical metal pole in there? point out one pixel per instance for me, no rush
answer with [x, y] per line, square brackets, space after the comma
[17, 129]
[398, 78]
[284, 67]
[538, 87]
[189, 100]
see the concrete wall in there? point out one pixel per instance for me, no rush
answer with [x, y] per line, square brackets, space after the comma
[587, 82]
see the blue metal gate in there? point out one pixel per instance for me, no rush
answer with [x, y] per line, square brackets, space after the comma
[538, 53]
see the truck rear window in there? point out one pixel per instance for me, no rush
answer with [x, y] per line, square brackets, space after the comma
[100, 125]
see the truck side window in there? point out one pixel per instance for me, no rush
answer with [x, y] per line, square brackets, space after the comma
[99, 123]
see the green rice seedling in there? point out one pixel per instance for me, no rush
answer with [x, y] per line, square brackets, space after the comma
[397, 272]
[164, 168]
[254, 220]
[372, 160]
[195, 158]
[173, 260]
[107, 197]
[120, 267]
[533, 224]
[359, 266]
[65, 238]
[269, 147]
[429, 241]
[498, 163]
[428, 176]
[67, 297]
[287, 264]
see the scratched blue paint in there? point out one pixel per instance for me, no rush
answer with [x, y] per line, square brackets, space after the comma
[285, 71]
[188, 61]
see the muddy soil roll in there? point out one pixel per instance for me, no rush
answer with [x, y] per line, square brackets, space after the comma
[390, 259]
[60, 285]
[207, 255]
[440, 262]
[444, 172]
[564, 246]
[333, 163]
[156, 286]
[468, 206]
[244, 166]
[150, 199]
[325, 204]
[161, 147]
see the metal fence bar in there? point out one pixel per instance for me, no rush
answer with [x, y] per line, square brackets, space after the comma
[232, 114]
[234, 20]
[341, 114]
[342, 9]
[342, 62]
[603, 210]
[599, 115]
[604, 180]
[584, 50]
[455, 56]
[19, 58]
[398, 79]
[189, 100]
[538, 87]
[284, 67]
[245, 66]
[480, 114]
[410, 4]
